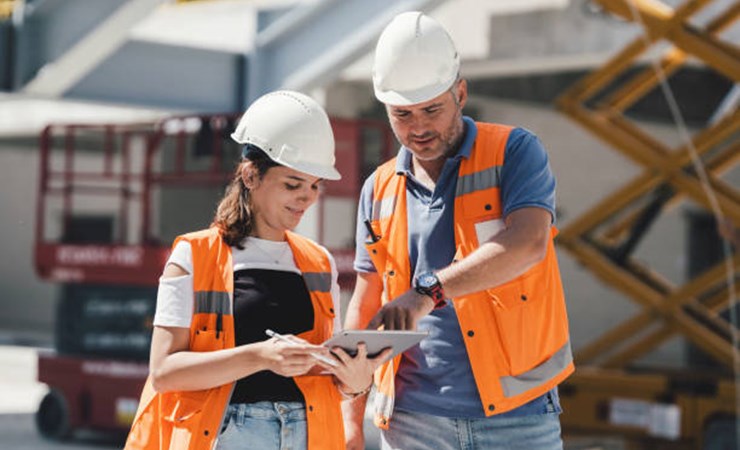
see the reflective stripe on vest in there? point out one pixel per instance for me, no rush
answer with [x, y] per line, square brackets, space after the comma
[382, 209]
[478, 181]
[318, 281]
[212, 302]
[517, 385]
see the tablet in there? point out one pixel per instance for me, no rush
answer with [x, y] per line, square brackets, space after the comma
[375, 340]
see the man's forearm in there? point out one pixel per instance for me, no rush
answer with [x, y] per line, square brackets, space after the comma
[506, 256]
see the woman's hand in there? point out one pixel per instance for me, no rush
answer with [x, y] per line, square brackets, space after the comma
[356, 374]
[291, 359]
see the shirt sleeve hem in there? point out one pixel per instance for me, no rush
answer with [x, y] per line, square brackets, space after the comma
[170, 321]
[547, 208]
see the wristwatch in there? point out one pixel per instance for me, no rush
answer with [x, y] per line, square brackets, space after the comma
[427, 283]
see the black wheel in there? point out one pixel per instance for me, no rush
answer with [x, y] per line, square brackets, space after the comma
[720, 433]
[52, 418]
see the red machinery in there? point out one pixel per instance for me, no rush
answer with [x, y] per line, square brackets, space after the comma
[111, 200]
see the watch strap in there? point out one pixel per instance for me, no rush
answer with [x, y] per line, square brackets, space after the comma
[435, 292]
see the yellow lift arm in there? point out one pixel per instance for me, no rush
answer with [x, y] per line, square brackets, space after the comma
[603, 238]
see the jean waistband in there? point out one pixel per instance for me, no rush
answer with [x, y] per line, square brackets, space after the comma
[283, 411]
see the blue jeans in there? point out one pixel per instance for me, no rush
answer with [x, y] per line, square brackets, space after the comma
[264, 426]
[415, 431]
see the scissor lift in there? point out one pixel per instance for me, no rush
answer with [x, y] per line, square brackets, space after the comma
[604, 238]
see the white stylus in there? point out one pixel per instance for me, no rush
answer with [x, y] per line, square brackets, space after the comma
[280, 337]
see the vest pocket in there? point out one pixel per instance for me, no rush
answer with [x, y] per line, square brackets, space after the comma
[378, 252]
[522, 320]
[186, 405]
[524, 290]
[206, 340]
[184, 416]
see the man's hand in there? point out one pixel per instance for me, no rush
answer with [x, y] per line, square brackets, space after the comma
[403, 313]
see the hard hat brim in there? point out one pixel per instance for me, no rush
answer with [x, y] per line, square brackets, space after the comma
[326, 173]
[406, 98]
[316, 170]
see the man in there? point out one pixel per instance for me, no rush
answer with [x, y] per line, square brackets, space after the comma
[454, 237]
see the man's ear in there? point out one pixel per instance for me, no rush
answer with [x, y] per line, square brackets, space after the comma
[462, 92]
[249, 175]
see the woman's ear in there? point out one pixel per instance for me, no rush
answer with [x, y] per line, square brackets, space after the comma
[249, 175]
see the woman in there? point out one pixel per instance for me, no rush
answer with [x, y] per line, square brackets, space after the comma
[216, 380]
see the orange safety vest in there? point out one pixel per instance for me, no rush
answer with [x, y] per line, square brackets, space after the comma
[193, 419]
[516, 334]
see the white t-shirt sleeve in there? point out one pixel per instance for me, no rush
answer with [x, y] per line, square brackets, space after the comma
[182, 255]
[335, 292]
[175, 295]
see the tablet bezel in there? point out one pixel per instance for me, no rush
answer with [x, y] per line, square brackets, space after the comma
[375, 340]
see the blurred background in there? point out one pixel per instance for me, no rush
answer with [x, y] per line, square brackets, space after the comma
[114, 124]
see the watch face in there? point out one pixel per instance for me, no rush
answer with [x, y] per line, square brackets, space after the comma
[427, 280]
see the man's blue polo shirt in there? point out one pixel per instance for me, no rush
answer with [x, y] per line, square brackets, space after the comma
[435, 377]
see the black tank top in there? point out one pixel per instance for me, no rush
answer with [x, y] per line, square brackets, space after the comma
[271, 299]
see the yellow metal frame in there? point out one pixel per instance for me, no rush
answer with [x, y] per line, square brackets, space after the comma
[6, 8]
[663, 166]
[597, 388]
[692, 309]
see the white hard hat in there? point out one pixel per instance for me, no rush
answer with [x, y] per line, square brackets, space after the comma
[293, 130]
[415, 60]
